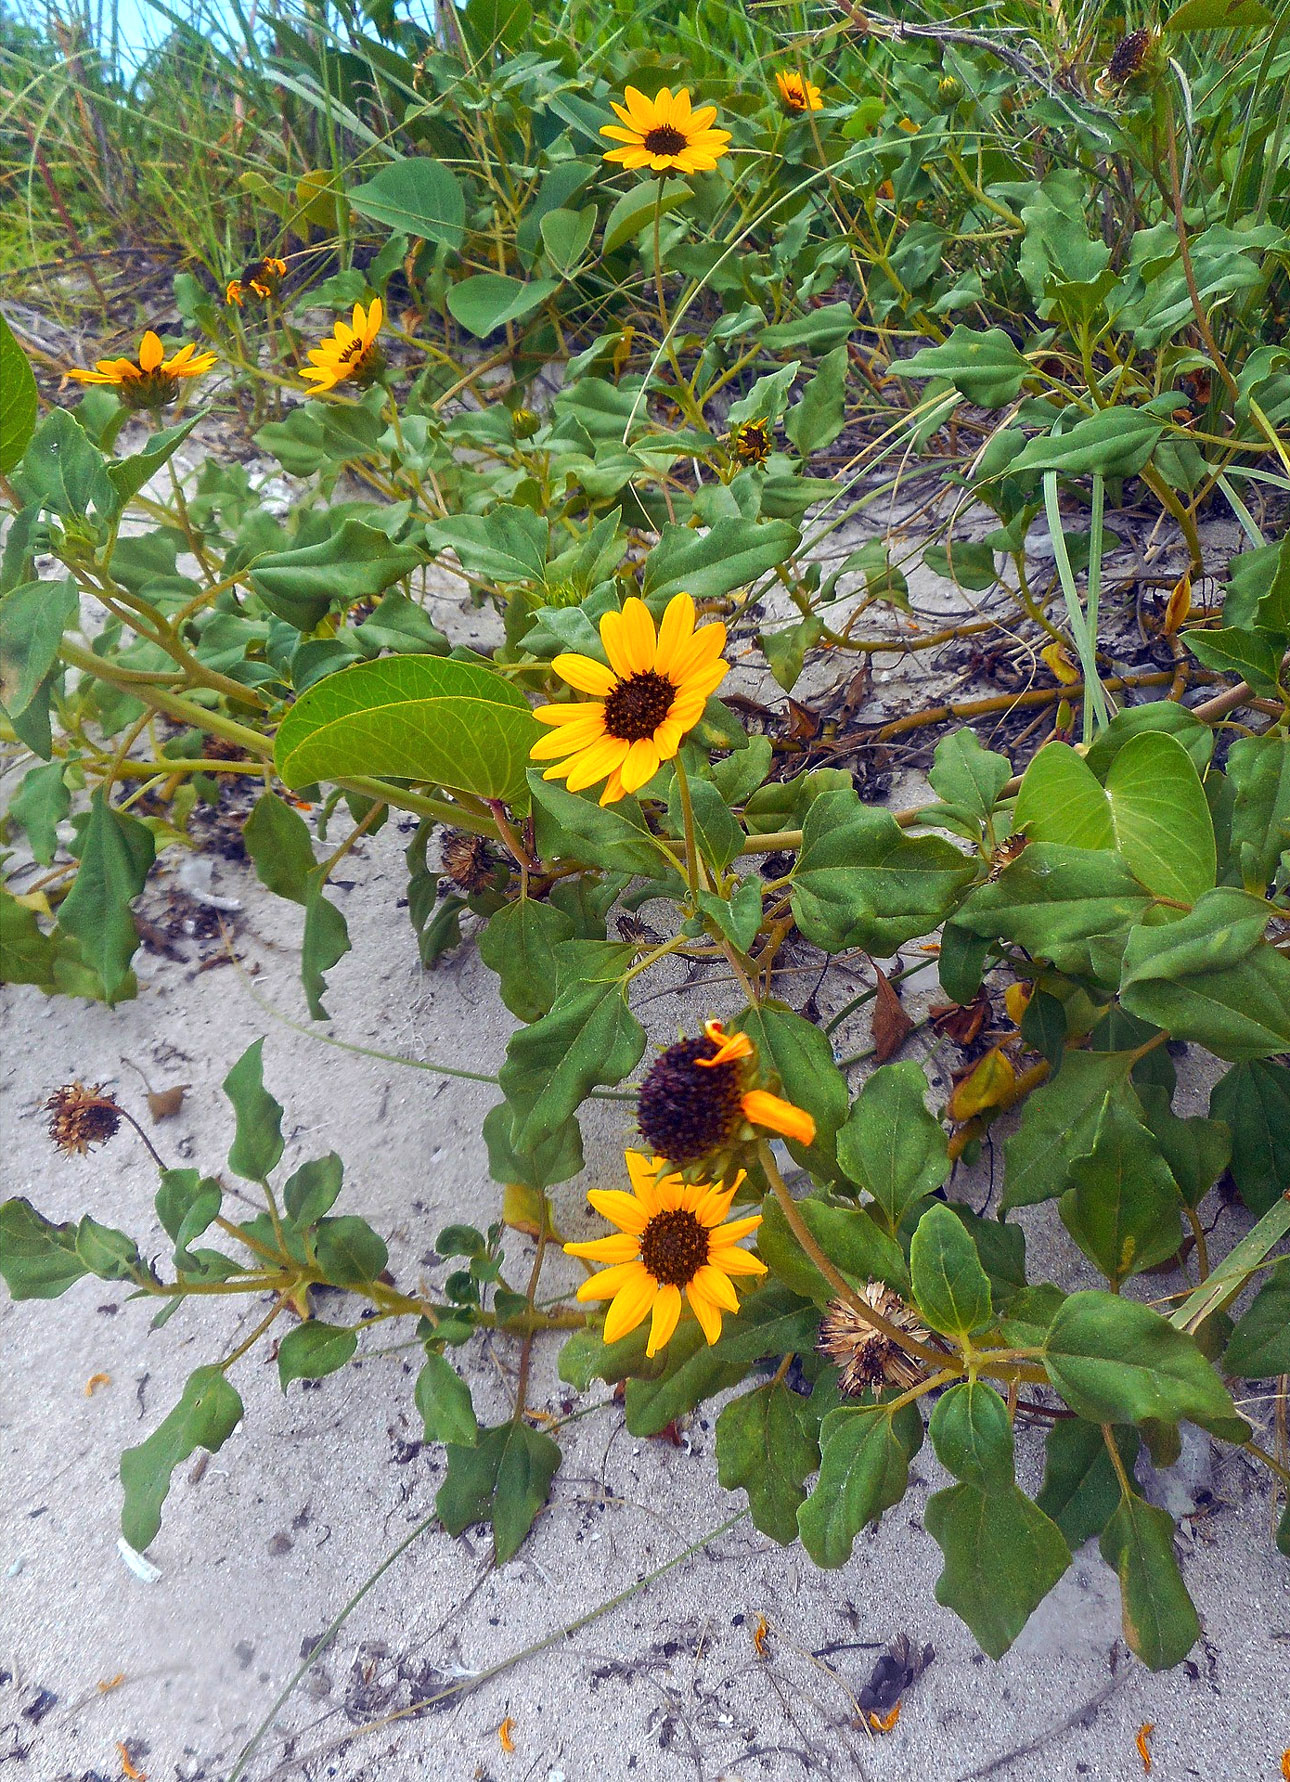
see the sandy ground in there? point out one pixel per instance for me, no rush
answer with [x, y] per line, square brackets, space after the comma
[103, 1675]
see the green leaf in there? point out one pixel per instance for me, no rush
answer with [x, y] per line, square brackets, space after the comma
[865, 1451]
[634, 211]
[1081, 1489]
[891, 1145]
[983, 365]
[205, 1417]
[350, 1253]
[487, 300]
[41, 804]
[968, 776]
[18, 417]
[37, 1258]
[187, 1203]
[767, 1443]
[27, 955]
[418, 196]
[1254, 1101]
[311, 1190]
[324, 943]
[63, 471]
[278, 840]
[801, 1057]
[729, 555]
[816, 420]
[33, 618]
[1253, 655]
[414, 717]
[257, 1144]
[1115, 1361]
[860, 881]
[738, 916]
[117, 852]
[1197, 1150]
[507, 544]
[589, 1038]
[503, 1479]
[1218, 15]
[972, 1435]
[1160, 1620]
[1259, 1347]
[554, 1159]
[518, 944]
[1258, 770]
[443, 1399]
[692, 1370]
[1210, 977]
[313, 1350]
[1074, 906]
[571, 826]
[1061, 801]
[1002, 1557]
[716, 831]
[950, 1286]
[850, 1237]
[1115, 441]
[1124, 1210]
[818, 331]
[968, 562]
[1058, 1122]
[357, 562]
[128, 475]
[106, 1252]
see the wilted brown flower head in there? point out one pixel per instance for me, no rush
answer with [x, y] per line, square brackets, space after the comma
[80, 1118]
[468, 860]
[1127, 58]
[865, 1357]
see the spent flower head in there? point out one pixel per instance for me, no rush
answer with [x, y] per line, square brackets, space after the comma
[701, 1097]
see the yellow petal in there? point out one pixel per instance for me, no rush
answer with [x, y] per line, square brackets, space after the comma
[630, 1305]
[620, 1247]
[586, 674]
[779, 1115]
[628, 638]
[725, 1235]
[574, 713]
[614, 789]
[716, 1286]
[592, 764]
[675, 631]
[611, 1280]
[712, 1207]
[626, 1211]
[641, 764]
[667, 1315]
[566, 741]
[734, 1261]
[704, 1309]
[644, 1173]
[375, 319]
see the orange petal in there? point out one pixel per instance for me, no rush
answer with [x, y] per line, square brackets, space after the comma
[779, 1115]
[151, 352]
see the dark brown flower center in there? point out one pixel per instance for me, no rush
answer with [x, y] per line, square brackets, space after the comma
[674, 1247]
[687, 1110]
[638, 705]
[351, 350]
[664, 139]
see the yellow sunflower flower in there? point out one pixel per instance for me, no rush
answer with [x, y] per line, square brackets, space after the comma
[665, 133]
[653, 691]
[670, 1237]
[262, 278]
[697, 1095]
[152, 380]
[798, 93]
[348, 353]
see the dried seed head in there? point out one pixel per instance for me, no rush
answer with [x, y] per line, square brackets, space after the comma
[468, 860]
[1128, 57]
[686, 1110]
[865, 1357]
[80, 1118]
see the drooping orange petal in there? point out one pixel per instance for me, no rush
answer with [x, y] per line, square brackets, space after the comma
[779, 1115]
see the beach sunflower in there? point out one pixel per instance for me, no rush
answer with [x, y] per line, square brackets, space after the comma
[752, 441]
[798, 93]
[652, 692]
[671, 1237]
[152, 380]
[665, 133]
[348, 354]
[262, 278]
[700, 1093]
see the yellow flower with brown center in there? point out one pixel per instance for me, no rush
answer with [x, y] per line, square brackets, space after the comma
[665, 133]
[671, 1238]
[262, 278]
[700, 1093]
[751, 441]
[653, 690]
[798, 93]
[152, 380]
[348, 354]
